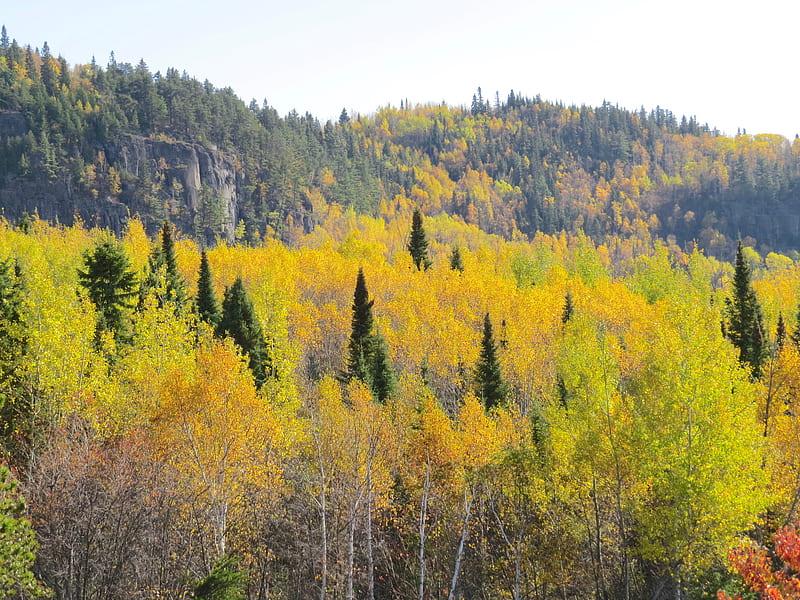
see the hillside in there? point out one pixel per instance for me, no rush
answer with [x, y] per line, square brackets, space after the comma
[106, 142]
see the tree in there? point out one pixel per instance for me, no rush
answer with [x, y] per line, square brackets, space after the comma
[14, 408]
[360, 344]
[745, 327]
[418, 244]
[111, 286]
[456, 263]
[17, 543]
[162, 272]
[490, 386]
[206, 301]
[382, 376]
[240, 323]
[225, 582]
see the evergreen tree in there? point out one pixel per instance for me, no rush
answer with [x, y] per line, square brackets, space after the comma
[226, 581]
[569, 308]
[111, 286]
[456, 264]
[360, 344]
[163, 263]
[780, 333]
[491, 388]
[418, 244]
[206, 301]
[240, 323]
[14, 405]
[745, 326]
[382, 373]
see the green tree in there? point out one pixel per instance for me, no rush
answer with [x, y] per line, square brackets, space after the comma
[490, 386]
[359, 346]
[418, 244]
[14, 408]
[111, 286]
[456, 263]
[206, 301]
[240, 323]
[226, 581]
[382, 373]
[163, 263]
[17, 544]
[569, 308]
[745, 326]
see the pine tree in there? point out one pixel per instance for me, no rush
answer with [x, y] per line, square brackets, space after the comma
[206, 301]
[110, 284]
[418, 244]
[569, 308]
[382, 380]
[227, 581]
[491, 388]
[456, 263]
[240, 323]
[163, 263]
[780, 333]
[14, 405]
[745, 326]
[360, 344]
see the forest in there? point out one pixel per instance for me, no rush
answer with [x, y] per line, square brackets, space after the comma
[508, 350]
[93, 141]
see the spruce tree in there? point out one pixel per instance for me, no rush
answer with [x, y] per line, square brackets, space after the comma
[456, 264]
[15, 407]
[110, 284]
[382, 380]
[359, 346]
[780, 333]
[569, 308]
[240, 323]
[162, 257]
[745, 322]
[206, 301]
[490, 386]
[418, 244]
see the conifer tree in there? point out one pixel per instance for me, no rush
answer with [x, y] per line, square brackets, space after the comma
[14, 406]
[418, 244]
[569, 308]
[240, 323]
[206, 301]
[780, 333]
[111, 286]
[359, 346]
[456, 264]
[163, 257]
[745, 325]
[382, 373]
[490, 386]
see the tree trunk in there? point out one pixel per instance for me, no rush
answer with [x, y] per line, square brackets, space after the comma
[468, 498]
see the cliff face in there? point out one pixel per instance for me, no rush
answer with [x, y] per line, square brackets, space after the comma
[194, 181]
[198, 188]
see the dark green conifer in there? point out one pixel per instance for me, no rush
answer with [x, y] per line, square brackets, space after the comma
[745, 323]
[418, 244]
[780, 333]
[382, 380]
[227, 581]
[14, 405]
[490, 386]
[206, 301]
[163, 263]
[359, 346]
[110, 284]
[456, 263]
[240, 323]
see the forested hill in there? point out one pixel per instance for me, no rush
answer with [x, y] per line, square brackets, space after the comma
[107, 142]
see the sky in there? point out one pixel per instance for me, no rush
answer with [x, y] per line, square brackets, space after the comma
[731, 64]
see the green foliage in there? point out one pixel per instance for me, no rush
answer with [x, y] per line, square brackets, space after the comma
[110, 284]
[17, 544]
[359, 346]
[240, 323]
[418, 243]
[456, 262]
[745, 323]
[14, 405]
[206, 301]
[227, 581]
[162, 264]
[491, 388]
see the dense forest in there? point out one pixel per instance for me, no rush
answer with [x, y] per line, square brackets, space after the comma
[509, 350]
[108, 142]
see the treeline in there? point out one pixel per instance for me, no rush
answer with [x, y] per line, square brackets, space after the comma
[419, 410]
[513, 166]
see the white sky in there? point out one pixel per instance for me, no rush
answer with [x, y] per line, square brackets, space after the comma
[732, 64]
